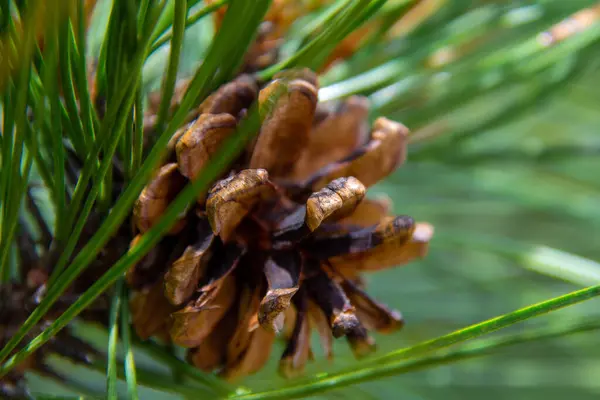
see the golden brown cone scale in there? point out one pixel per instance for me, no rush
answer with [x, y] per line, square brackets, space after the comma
[337, 200]
[388, 254]
[370, 211]
[361, 345]
[275, 302]
[190, 326]
[254, 358]
[247, 310]
[150, 311]
[344, 321]
[374, 315]
[282, 271]
[212, 352]
[156, 197]
[289, 323]
[284, 132]
[130, 275]
[319, 321]
[181, 280]
[298, 350]
[330, 297]
[232, 97]
[385, 152]
[335, 137]
[176, 137]
[395, 229]
[231, 199]
[201, 141]
[302, 74]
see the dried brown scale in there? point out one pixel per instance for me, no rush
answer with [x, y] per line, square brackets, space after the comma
[150, 311]
[275, 302]
[201, 140]
[387, 255]
[230, 200]
[374, 315]
[172, 156]
[318, 319]
[298, 350]
[368, 212]
[301, 74]
[232, 97]
[282, 270]
[253, 358]
[392, 230]
[156, 196]
[289, 321]
[152, 266]
[264, 52]
[398, 229]
[385, 152]
[225, 259]
[335, 201]
[181, 280]
[264, 253]
[211, 353]
[337, 134]
[361, 343]
[285, 132]
[280, 16]
[249, 303]
[330, 297]
[191, 325]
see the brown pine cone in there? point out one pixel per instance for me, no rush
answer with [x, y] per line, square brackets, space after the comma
[279, 243]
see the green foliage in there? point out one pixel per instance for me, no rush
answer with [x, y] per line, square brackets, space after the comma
[503, 124]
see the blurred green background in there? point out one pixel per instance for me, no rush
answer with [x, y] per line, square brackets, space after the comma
[511, 186]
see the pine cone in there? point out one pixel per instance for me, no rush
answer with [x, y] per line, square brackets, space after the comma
[279, 243]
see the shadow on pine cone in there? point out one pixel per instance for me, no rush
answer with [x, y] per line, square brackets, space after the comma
[279, 243]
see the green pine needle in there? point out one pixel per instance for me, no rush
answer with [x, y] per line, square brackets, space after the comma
[542, 259]
[113, 339]
[190, 21]
[173, 65]
[129, 361]
[380, 366]
[476, 348]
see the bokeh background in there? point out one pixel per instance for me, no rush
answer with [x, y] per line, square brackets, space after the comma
[505, 165]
